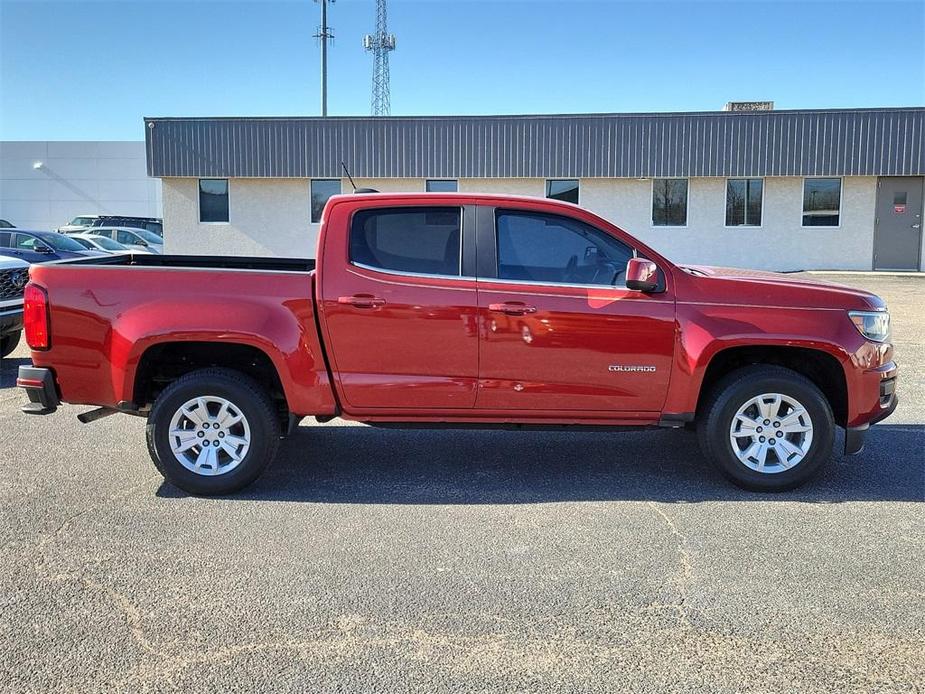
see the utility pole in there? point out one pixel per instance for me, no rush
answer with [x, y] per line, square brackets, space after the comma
[325, 34]
[379, 44]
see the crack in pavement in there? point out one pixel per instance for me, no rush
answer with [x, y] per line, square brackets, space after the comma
[685, 572]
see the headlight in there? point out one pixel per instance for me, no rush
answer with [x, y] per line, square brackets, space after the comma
[874, 325]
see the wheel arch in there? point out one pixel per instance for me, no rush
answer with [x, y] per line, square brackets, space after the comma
[163, 362]
[821, 367]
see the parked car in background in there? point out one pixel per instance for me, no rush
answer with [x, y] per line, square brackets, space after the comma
[94, 242]
[6, 225]
[134, 239]
[41, 246]
[79, 223]
[153, 224]
[14, 274]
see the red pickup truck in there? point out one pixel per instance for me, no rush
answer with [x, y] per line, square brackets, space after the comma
[451, 310]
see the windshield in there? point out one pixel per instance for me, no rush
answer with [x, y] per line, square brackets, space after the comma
[109, 244]
[148, 236]
[60, 242]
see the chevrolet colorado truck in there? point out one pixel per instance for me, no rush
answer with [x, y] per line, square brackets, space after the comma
[456, 310]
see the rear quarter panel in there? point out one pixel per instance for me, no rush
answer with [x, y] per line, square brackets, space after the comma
[103, 319]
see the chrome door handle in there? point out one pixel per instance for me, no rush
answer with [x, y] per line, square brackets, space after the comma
[361, 301]
[512, 308]
[916, 226]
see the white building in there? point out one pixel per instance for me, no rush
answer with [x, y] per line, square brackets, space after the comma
[780, 190]
[46, 184]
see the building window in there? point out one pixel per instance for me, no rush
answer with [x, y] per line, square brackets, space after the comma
[669, 202]
[564, 189]
[821, 202]
[213, 199]
[322, 190]
[549, 248]
[440, 185]
[743, 202]
[419, 240]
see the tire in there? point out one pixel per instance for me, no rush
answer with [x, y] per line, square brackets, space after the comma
[249, 432]
[8, 343]
[729, 435]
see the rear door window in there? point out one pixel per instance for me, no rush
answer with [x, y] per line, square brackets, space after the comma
[417, 240]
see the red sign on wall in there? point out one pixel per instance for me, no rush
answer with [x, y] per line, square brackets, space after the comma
[899, 209]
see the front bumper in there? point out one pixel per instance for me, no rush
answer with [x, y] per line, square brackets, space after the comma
[854, 436]
[10, 320]
[39, 385]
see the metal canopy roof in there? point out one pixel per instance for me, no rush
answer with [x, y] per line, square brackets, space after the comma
[862, 142]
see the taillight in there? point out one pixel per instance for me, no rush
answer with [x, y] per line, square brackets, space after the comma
[35, 317]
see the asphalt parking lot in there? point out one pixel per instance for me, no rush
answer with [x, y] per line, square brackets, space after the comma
[374, 560]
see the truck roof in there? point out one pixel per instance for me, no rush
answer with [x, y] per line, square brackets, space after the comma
[462, 198]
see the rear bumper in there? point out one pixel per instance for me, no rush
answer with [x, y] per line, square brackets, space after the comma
[40, 387]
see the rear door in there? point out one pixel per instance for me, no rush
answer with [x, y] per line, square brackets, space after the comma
[399, 305]
[560, 331]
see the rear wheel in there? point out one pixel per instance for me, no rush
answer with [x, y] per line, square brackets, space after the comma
[212, 431]
[8, 343]
[767, 428]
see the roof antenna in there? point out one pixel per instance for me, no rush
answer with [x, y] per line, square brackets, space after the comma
[349, 177]
[355, 189]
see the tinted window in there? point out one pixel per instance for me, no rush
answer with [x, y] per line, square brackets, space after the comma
[126, 237]
[669, 202]
[322, 189]
[821, 202]
[154, 228]
[550, 248]
[85, 243]
[423, 240]
[743, 202]
[434, 185]
[213, 199]
[565, 189]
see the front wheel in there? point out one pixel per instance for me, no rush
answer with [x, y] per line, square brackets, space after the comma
[212, 431]
[767, 428]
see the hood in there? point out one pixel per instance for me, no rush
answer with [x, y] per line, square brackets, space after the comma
[741, 286]
[10, 262]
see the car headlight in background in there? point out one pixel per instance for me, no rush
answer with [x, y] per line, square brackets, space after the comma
[874, 325]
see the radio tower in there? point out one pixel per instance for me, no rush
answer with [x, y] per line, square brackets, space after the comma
[380, 44]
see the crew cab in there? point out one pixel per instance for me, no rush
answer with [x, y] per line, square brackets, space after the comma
[451, 310]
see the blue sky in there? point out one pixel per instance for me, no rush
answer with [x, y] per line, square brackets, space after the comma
[92, 70]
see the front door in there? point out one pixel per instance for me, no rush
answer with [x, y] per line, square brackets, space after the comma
[898, 234]
[560, 331]
[401, 314]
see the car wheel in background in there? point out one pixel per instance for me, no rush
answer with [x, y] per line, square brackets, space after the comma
[767, 428]
[213, 431]
[8, 343]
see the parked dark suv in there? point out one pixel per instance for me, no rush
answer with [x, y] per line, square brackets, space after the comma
[152, 224]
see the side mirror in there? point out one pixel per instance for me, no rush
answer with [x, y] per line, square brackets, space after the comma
[42, 248]
[142, 242]
[641, 275]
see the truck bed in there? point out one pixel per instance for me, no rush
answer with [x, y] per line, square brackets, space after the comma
[205, 262]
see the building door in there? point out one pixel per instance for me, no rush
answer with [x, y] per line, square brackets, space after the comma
[898, 233]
